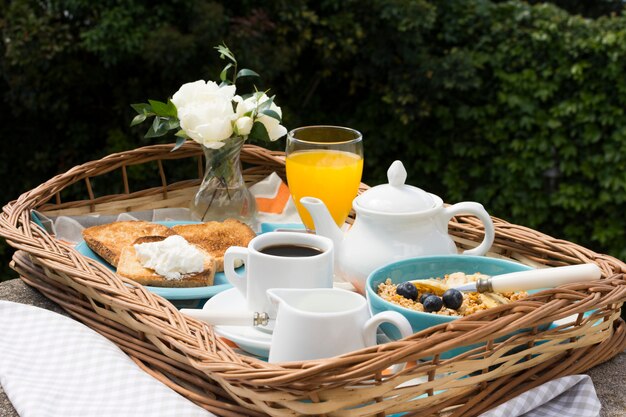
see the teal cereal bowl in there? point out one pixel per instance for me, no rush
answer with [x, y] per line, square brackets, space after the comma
[424, 268]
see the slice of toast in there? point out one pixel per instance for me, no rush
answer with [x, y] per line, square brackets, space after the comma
[108, 240]
[130, 267]
[216, 237]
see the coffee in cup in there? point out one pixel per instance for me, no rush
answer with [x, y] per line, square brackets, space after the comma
[279, 260]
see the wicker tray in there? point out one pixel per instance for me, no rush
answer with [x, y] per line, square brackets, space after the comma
[186, 354]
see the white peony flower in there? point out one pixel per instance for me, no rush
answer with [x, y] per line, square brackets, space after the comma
[211, 113]
[205, 112]
[206, 115]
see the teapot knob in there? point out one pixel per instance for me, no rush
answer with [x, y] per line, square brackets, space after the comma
[396, 174]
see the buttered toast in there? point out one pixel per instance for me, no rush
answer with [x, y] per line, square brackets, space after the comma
[216, 237]
[108, 240]
[131, 267]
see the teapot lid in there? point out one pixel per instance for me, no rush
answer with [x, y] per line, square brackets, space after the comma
[396, 197]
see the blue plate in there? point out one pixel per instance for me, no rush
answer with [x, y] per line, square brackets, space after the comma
[193, 297]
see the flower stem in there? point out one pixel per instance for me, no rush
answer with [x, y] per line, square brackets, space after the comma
[225, 185]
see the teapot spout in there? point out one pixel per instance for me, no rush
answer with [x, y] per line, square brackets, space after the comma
[324, 223]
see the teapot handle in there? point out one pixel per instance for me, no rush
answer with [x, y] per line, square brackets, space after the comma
[477, 209]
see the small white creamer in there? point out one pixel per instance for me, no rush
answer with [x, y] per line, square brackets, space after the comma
[171, 258]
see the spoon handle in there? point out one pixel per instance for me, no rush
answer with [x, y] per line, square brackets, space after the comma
[545, 277]
[227, 318]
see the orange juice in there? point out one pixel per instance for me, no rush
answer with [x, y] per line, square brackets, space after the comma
[332, 176]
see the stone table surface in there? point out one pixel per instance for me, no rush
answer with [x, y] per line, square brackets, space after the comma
[608, 378]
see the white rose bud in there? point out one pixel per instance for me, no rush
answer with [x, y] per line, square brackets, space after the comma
[245, 106]
[243, 125]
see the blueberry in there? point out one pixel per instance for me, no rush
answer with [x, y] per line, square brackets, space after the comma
[424, 296]
[452, 299]
[432, 303]
[407, 290]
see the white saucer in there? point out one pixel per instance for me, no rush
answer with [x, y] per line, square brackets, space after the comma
[248, 338]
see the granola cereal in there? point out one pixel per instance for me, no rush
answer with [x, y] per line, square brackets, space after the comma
[472, 301]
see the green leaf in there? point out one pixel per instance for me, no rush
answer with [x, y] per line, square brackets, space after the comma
[224, 73]
[266, 104]
[181, 134]
[140, 118]
[225, 52]
[271, 113]
[172, 108]
[151, 133]
[259, 132]
[172, 124]
[156, 129]
[179, 143]
[164, 109]
[247, 73]
[142, 108]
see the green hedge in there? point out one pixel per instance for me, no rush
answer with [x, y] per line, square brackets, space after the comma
[517, 106]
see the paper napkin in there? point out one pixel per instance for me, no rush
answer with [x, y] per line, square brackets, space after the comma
[51, 366]
[275, 207]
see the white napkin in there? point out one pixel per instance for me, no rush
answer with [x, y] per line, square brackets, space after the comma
[51, 365]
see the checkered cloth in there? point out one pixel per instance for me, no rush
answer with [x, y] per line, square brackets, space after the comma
[52, 366]
[570, 396]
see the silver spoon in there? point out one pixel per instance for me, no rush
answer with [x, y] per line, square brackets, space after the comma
[228, 318]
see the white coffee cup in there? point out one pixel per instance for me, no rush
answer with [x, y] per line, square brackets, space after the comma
[264, 271]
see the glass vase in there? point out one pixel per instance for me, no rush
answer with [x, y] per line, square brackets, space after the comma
[223, 193]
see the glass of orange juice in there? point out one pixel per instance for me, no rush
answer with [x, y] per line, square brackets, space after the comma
[325, 162]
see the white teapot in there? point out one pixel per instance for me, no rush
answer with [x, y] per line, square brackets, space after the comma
[393, 221]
